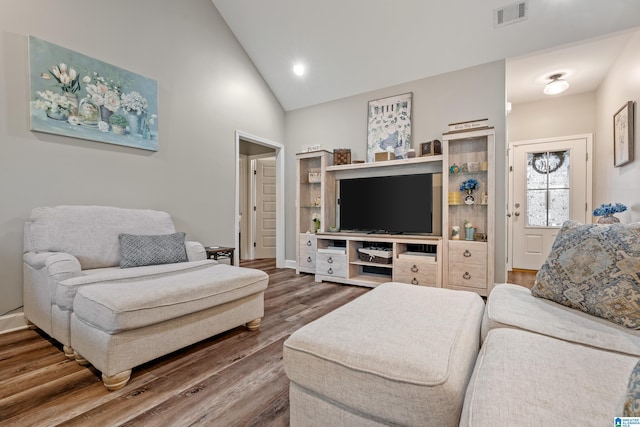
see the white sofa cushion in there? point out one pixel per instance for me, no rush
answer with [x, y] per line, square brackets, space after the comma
[66, 290]
[127, 304]
[513, 306]
[521, 378]
[90, 233]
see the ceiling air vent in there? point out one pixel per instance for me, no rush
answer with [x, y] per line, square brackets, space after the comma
[510, 14]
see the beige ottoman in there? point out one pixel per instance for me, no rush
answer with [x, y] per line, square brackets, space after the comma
[400, 354]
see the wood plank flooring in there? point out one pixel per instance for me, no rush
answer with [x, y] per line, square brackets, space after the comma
[232, 379]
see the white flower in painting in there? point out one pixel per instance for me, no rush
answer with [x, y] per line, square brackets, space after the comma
[111, 101]
[103, 126]
[86, 79]
[51, 101]
[133, 102]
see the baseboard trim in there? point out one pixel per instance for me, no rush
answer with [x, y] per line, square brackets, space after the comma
[12, 322]
[290, 263]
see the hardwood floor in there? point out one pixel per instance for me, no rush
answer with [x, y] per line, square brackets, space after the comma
[232, 379]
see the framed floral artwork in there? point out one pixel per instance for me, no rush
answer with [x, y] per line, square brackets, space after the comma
[389, 126]
[81, 97]
[623, 125]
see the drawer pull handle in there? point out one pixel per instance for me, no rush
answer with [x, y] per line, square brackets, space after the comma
[330, 270]
[308, 242]
[466, 275]
[466, 253]
[330, 260]
[308, 259]
[414, 281]
[414, 269]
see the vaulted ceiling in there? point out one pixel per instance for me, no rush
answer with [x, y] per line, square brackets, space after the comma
[355, 46]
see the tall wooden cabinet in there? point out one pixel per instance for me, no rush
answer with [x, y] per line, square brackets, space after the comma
[315, 192]
[468, 255]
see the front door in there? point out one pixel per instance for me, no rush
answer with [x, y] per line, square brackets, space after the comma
[550, 183]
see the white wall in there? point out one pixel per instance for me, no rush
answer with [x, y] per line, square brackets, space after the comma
[552, 117]
[473, 93]
[208, 89]
[621, 184]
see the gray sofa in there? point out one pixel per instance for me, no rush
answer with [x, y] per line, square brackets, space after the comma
[118, 318]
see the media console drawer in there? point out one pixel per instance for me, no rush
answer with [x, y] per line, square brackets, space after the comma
[331, 265]
[417, 273]
[467, 252]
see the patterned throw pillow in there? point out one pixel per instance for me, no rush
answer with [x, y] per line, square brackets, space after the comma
[596, 269]
[136, 250]
[632, 402]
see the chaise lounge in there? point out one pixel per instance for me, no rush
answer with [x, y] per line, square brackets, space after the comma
[119, 287]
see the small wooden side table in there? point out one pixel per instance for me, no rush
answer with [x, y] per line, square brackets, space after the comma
[219, 251]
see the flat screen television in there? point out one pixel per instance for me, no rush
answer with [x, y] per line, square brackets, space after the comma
[401, 204]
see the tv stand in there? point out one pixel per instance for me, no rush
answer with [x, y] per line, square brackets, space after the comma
[414, 259]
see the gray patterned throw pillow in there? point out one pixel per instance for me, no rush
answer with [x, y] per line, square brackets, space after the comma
[596, 269]
[136, 251]
[632, 401]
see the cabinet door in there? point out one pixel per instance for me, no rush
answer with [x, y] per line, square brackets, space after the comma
[308, 242]
[307, 261]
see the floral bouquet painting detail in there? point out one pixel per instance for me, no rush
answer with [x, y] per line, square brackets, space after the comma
[82, 97]
[606, 210]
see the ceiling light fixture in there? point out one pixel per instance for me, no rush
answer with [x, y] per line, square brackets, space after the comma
[298, 69]
[556, 85]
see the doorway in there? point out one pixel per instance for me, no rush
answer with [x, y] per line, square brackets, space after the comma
[550, 182]
[268, 230]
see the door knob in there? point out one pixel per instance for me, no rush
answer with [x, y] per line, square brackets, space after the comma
[516, 213]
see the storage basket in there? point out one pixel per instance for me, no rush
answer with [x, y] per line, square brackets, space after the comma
[342, 156]
[376, 255]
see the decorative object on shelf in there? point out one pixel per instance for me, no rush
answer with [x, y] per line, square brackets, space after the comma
[480, 237]
[90, 97]
[334, 229]
[623, 132]
[454, 198]
[469, 230]
[484, 166]
[315, 177]
[454, 169]
[469, 186]
[473, 166]
[485, 199]
[455, 232]
[606, 210]
[316, 222]
[431, 148]
[469, 125]
[383, 156]
[411, 154]
[389, 126]
[342, 156]
[316, 202]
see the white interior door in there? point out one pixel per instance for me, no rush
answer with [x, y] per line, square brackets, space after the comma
[551, 184]
[265, 208]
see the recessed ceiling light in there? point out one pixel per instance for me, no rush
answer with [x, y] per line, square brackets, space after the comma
[298, 69]
[556, 85]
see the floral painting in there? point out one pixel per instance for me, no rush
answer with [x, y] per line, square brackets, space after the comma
[79, 96]
[389, 126]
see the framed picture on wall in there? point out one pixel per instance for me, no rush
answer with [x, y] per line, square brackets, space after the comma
[389, 126]
[623, 135]
[82, 97]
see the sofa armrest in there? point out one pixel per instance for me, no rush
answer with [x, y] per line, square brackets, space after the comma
[60, 266]
[195, 251]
